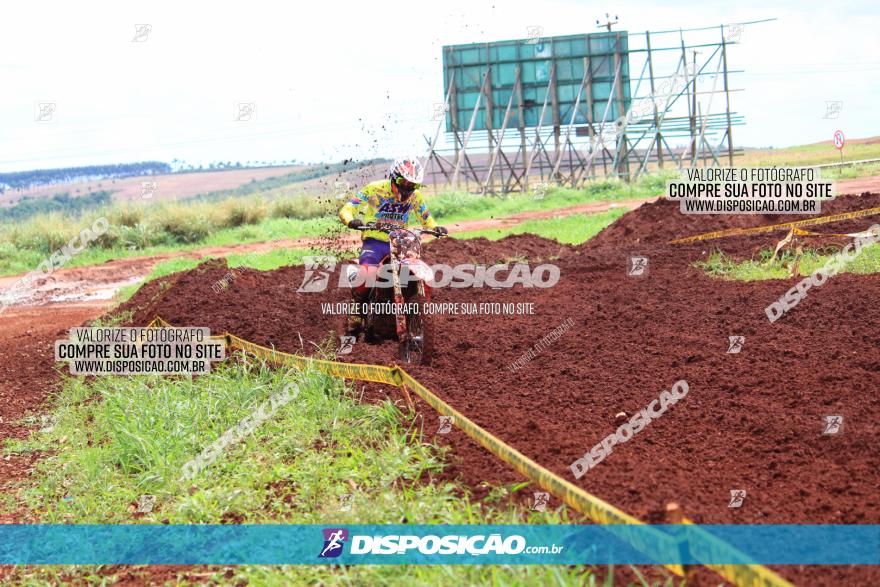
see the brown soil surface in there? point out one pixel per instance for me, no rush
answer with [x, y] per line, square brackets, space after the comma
[27, 376]
[751, 421]
[859, 185]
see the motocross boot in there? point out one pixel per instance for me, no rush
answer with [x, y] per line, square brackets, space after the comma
[354, 321]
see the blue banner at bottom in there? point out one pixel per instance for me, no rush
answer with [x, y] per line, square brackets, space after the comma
[441, 544]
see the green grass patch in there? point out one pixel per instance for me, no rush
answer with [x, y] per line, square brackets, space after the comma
[572, 229]
[458, 206]
[138, 229]
[724, 267]
[108, 442]
[805, 155]
[150, 230]
[851, 172]
[14, 260]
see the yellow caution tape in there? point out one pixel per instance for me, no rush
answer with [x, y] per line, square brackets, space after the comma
[863, 234]
[596, 509]
[375, 373]
[774, 227]
[741, 575]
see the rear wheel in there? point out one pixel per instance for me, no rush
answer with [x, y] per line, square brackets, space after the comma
[418, 345]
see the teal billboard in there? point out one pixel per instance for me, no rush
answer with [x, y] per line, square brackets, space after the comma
[536, 58]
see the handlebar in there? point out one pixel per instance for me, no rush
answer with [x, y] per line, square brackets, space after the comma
[388, 228]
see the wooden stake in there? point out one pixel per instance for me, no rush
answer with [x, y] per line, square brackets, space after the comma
[675, 515]
[406, 395]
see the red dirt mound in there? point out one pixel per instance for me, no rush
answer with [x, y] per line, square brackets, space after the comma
[481, 250]
[751, 421]
[660, 222]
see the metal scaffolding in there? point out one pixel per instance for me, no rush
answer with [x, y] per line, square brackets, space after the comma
[670, 120]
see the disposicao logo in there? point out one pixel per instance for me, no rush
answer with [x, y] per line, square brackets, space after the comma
[334, 540]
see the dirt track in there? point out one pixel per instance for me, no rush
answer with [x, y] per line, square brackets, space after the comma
[27, 375]
[751, 421]
[70, 297]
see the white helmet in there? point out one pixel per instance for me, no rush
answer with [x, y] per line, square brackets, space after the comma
[407, 168]
[406, 175]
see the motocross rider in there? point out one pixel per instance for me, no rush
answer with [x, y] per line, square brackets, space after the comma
[386, 201]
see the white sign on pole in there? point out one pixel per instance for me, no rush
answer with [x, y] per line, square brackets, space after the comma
[839, 140]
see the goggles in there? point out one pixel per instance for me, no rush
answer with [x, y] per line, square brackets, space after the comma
[406, 187]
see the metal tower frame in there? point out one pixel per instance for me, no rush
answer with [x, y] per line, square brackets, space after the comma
[568, 154]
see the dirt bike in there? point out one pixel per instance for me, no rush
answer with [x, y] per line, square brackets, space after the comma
[414, 330]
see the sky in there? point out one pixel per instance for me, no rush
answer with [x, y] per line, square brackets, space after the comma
[336, 80]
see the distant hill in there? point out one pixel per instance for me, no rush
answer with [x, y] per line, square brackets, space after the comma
[75, 197]
[167, 186]
[849, 141]
[23, 180]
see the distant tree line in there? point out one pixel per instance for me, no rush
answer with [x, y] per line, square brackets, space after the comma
[20, 180]
[269, 183]
[181, 166]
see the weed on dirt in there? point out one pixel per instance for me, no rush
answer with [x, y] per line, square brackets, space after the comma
[765, 267]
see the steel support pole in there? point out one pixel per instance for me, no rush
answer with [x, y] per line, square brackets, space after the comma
[726, 98]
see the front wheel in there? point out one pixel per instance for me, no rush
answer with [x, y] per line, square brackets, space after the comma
[417, 346]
